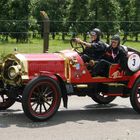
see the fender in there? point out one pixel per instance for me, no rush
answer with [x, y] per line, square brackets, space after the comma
[49, 74]
[133, 78]
[43, 73]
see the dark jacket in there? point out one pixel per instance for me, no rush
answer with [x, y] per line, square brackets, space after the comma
[116, 55]
[96, 50]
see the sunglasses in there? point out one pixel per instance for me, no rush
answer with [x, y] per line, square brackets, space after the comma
[92, 33]
[113, 41]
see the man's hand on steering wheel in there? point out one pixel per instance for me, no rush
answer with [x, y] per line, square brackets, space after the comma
[78, 40]
[77, 45]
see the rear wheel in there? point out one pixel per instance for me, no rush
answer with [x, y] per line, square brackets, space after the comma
[135, 96]
[5, 101]
[41, 99]
[100, 98]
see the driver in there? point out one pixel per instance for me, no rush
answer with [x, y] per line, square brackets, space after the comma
[95, 48]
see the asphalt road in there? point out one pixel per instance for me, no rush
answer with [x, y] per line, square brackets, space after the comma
[83, 120]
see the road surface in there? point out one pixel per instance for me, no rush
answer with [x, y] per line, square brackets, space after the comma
[83, 120]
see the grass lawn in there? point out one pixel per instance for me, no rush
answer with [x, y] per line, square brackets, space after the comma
[36, 46]
[135, 45]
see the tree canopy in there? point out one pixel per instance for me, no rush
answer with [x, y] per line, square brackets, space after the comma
[20, 18]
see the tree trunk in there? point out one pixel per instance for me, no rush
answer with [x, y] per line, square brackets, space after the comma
[107, 39]
[6, 37]
[63, 36]
[17, 40]
[136, 39]
[53, 35]
[125, 37]
[85, 36]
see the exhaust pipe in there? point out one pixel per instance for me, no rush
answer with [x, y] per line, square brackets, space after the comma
[46, 30]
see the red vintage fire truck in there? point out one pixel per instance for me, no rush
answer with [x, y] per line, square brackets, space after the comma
[39, 81]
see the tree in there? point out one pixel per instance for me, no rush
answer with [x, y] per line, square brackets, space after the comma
[109, 17]
[94, 13]
[19, 14]
[78, 16]
[19, 17]
[57, 15]
[64, 12]
[4, 18]
[127, 16]
[136, 25]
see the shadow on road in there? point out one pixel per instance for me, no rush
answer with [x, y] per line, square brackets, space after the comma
[93, 112]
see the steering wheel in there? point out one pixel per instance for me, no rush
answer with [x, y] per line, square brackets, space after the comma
[79, 48]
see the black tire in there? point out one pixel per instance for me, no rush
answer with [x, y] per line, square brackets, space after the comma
[5, 101]
[102, 99]
[135, 96]
[41, 98]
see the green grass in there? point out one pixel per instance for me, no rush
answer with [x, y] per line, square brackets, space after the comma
[135, 45]
[36, 46]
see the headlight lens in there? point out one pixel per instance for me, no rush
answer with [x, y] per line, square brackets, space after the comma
[14, 71]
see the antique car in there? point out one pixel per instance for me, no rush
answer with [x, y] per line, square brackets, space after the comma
[39, 81]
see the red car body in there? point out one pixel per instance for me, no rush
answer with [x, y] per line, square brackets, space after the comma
[41, 80]
[65, 63]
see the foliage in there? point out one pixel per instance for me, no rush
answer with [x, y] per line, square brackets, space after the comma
[78, 15]
[136, 24]
[128, 12]
[21, 20]
[110, 20]
[4, 16]
[19, 14]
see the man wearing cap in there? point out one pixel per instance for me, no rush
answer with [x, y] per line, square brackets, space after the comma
[113, 54]
[94, 49]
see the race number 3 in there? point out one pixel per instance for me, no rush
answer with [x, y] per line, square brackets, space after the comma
[134, 62]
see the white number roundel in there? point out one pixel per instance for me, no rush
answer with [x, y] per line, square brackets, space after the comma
[134, 62]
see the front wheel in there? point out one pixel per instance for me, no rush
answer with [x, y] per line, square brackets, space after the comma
[41, 98]
[5, 101]
[100, 98]
[135, 96]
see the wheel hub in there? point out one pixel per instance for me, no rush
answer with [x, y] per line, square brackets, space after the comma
[40, 99]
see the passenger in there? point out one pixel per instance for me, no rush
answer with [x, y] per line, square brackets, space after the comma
[114, 54]
[94, 49]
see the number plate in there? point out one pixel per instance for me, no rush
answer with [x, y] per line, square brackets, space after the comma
[134, 62]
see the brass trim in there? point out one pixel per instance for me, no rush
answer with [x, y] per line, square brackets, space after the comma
[82, 86]
[24, 64]
[66, 67]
